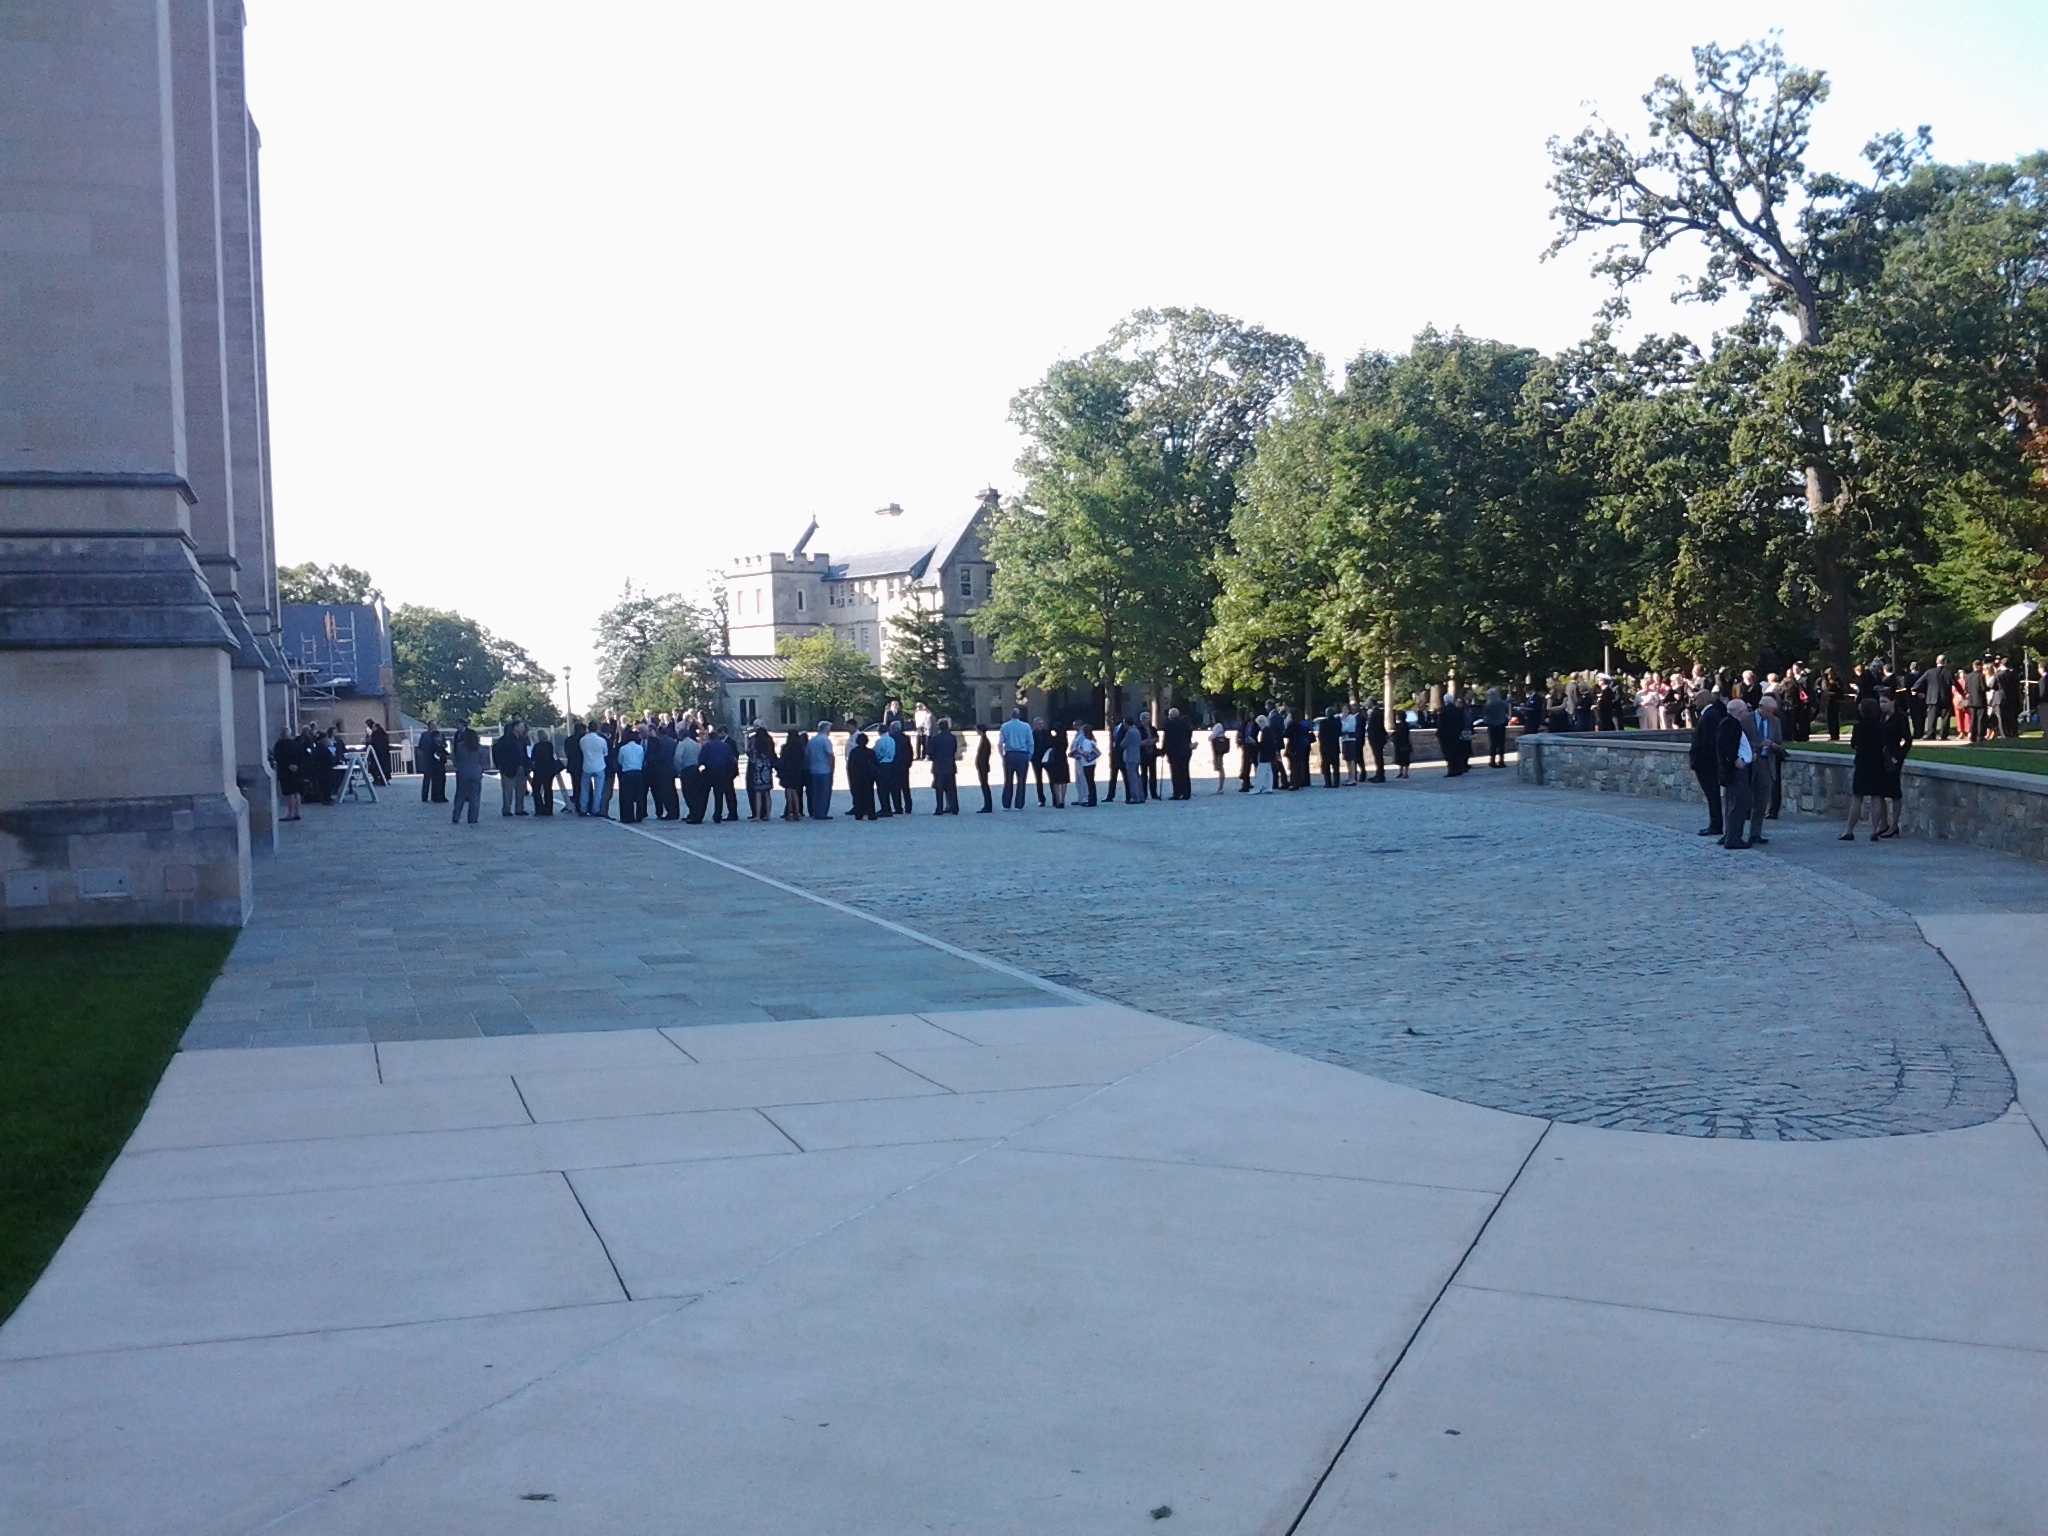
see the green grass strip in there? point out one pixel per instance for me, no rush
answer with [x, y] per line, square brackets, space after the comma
[89, 1017]
[2028, 758]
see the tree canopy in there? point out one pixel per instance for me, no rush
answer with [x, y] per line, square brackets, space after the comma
[654, 653]
[827, 679]
[310, 583]
[448, 667]
[924, 664]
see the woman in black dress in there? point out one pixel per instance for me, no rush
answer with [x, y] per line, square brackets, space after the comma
[1867, 773]
[1896, 729]
[761, 766]
[795, 771]
[289, 759]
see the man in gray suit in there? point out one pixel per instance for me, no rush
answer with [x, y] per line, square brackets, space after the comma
[1768, 733]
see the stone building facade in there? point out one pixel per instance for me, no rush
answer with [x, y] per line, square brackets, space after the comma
[138, 588]
[802, 593]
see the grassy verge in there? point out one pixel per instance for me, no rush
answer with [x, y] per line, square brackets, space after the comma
[2024, 756]
[88, 1019]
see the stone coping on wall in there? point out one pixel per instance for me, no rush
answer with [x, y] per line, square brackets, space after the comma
[1949, 802]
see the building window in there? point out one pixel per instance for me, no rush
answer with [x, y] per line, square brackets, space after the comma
[966, 641]
[799, 599]
[786, 712]
[747, 708]
[867, 637]
[967, 581]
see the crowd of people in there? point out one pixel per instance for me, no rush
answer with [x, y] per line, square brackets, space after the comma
[312, 764]
[689, 768]
[1980, 700]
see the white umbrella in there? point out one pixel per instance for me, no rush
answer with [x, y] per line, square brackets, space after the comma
[2012, 619]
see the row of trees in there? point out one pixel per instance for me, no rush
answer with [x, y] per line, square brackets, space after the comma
[1204, 507]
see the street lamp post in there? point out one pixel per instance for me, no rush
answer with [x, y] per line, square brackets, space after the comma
[568, 692]
[1893, 626]
[1607, 646]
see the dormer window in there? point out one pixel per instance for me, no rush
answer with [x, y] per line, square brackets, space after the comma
[967, 581]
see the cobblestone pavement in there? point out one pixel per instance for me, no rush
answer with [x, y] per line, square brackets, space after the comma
[1506, 948]
[383, 922]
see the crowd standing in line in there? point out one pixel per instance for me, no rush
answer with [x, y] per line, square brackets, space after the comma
[688, 768]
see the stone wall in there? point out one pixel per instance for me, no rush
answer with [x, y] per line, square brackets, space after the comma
[1985, 807]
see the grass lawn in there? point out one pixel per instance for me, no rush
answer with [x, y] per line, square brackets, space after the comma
[88, 1019]
[2023, 755]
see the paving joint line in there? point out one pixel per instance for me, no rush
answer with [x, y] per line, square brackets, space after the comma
[1416, 1333]
[1071, 994]
[602, 1246]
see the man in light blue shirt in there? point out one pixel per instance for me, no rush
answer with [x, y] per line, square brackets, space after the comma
[820, 750]
[885, 772]
[1018, 745]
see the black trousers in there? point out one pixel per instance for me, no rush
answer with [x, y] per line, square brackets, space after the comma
[725, 805]
[1244, 770]
[1183, 784]
[1148, 769]
[1735, 809]
[434, 786]
[1379, 765]
[1329, 770]
[863, 799]
[696, 793]
[1710, 787]
[988, 799]
[1943, 724]
[632, 794]
[946, 789]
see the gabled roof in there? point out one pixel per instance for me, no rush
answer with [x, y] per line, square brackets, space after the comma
[887, 562]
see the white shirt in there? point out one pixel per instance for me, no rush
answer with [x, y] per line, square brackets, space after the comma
[595, 749]
[1017, 737]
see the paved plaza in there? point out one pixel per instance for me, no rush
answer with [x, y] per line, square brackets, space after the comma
[1438, 1157]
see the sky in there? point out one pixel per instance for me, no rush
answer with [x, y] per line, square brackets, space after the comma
[560, 296]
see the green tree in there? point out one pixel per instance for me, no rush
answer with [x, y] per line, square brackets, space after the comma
[653, 652]
[1106, 568]
[522, 700]
[444, 664]
[827, 679]
[924, 664]
[310, 583]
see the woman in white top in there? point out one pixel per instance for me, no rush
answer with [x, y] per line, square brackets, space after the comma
[1085, 753]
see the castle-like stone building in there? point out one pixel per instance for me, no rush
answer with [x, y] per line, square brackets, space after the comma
[769, 597]
[140, 679]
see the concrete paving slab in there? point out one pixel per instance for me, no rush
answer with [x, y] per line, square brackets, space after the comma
[798, 1037]
[1234, 1104]
[717, 1085]
[1032, 1343]
[201, 1439]
[1078, 1025]
[268, 1068]
[183, 1271]
[1942, 1237]
[419, 1060]
[1995, 955]
[350, 1162]
[936, 1117]
[983, 1068]
[1525, 1416]
[679, 1229]
[305, 1114]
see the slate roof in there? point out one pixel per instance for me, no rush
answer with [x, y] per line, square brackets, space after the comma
[886, 562]
[748, 669]
[315, 636]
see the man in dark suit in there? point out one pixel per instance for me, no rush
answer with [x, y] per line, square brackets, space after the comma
[1180, 749]
[942, 747]
[661, 774]
[2005, 698]
[1707, 713]
[1978, 695]
[1735, 758]
[1938, 710]
[433, 756]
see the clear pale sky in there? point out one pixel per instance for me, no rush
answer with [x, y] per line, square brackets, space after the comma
[562, 295]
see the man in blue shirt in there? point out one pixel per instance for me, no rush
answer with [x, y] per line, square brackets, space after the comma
[820, 750]
[886, 741]
[1018, 743]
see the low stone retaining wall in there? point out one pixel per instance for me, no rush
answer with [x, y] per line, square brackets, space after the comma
[1949, 802]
